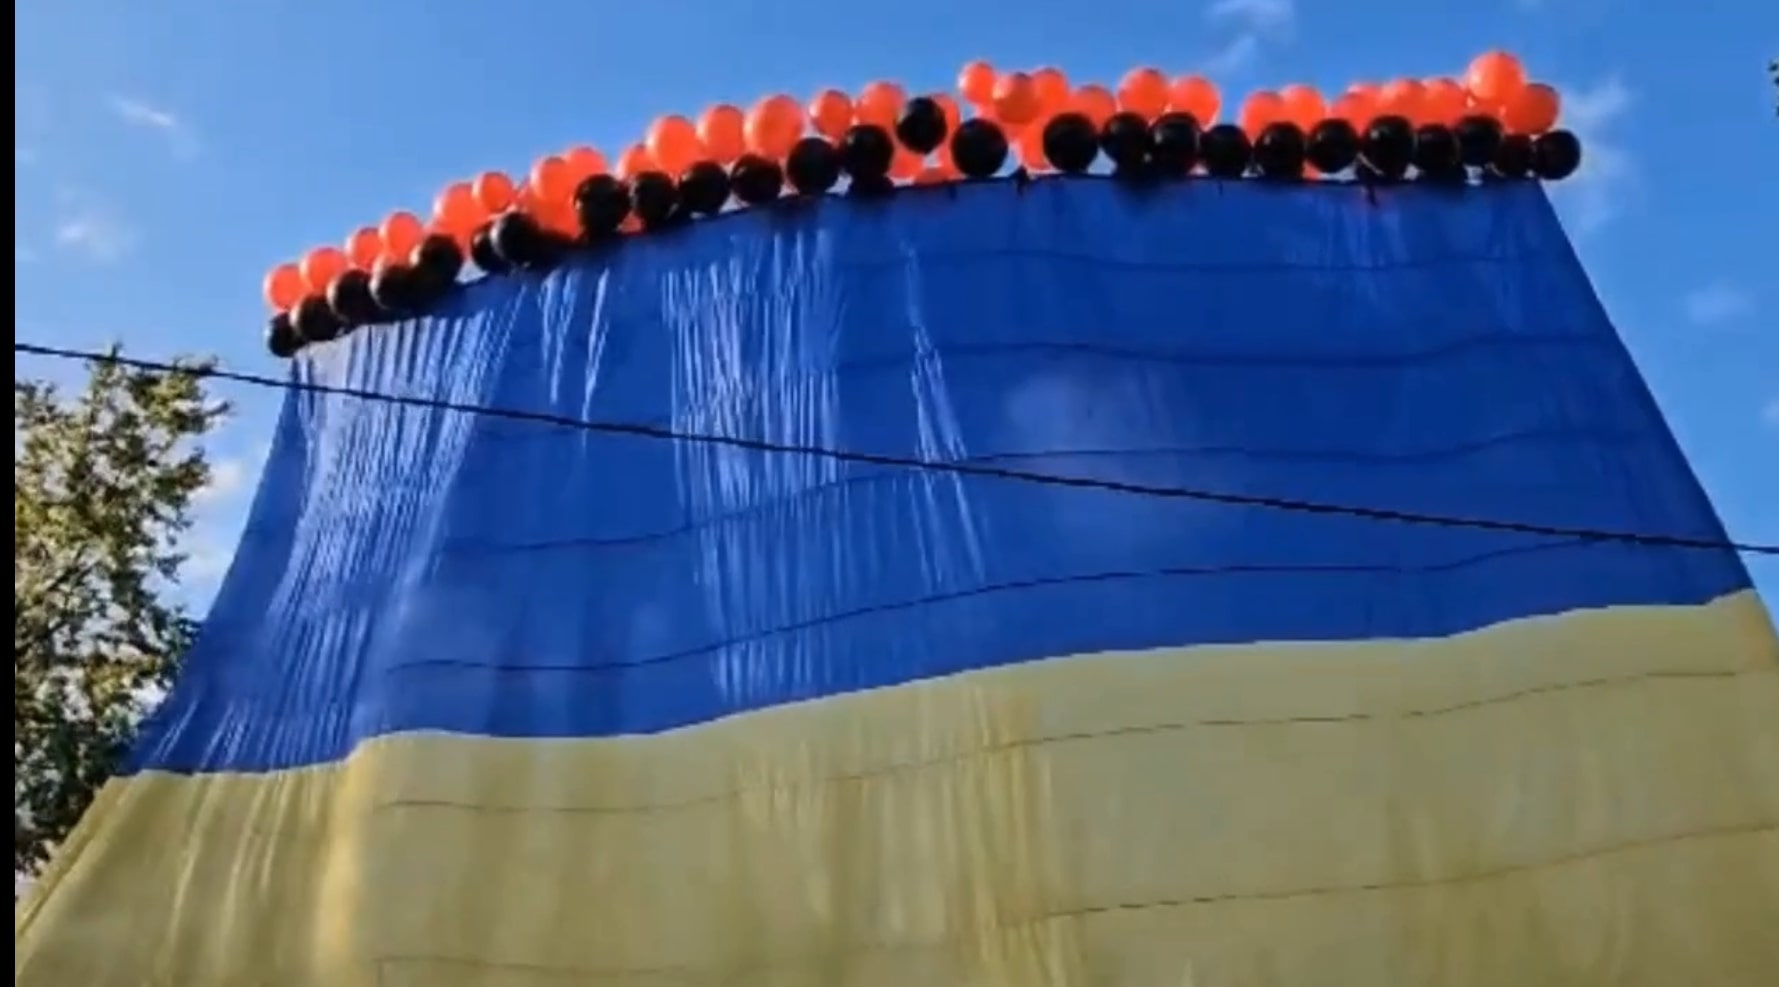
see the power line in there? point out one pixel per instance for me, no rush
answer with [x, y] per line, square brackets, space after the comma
[875, 459]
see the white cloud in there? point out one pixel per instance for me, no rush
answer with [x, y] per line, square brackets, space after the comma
[93, 232]
[1598, 105]
[206, 561]
[1717, 302]
[143, 115]
[227, 477]
[1255, 21]
[230, 476]
[140, 113]
[1593, 197]
[88, 227]
[1238, 54]
[1268, 17]
[31, 117]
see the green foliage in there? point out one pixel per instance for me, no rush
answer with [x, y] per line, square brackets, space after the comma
[104, 481]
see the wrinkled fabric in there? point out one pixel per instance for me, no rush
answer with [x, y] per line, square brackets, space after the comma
[497, 700]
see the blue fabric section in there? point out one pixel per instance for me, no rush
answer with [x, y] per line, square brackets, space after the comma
[410, 568]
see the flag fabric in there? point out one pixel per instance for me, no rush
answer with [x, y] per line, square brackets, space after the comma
[496, 701]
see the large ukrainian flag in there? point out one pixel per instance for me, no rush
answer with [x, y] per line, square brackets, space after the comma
[488, 702]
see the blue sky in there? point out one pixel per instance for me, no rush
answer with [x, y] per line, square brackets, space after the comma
[168, 153]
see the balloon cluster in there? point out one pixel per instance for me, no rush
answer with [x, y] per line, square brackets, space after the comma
[1491, 124]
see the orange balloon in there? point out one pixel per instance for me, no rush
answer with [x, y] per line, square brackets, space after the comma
[551, 181]
[948, 107]
[1053, 89]
[559, 218]
[1304, 106]
[1403, 98]
[1442, 101]
[1532, 110]
[363, 247]
[720, 130]
[976, 83]
[1196, 95]
[1494, 78]
[880, 103]
[461, 237]
[1095, 103]
[773, 126]
[1361, 99]
[1262, 108]
[906, 165]
[583, 163]
[320, 266]
[284, 287]
[493, 190]
[630, 224]
[1030, 146]
[401, 232]
[931, 175]
[1143, 91]
[831, 113]
[634, 161]
[1354, 108]
[673, 143]
[1016, 99]
[945, 164]
[456, 209]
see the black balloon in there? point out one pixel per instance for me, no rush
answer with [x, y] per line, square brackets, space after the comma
[1280, 151]
[350, 298]
[1125, 139]
[481, 250]
[314, 321]
[922, 126]
[654, 197]
[392, 285]
[1225, 151]
[1556, 155]
[438, 260]
[1070, 143]
[868, 186]
[1479, 137]
[1513, 159]
[282, 340]
[1388, 147]
[517, 239]
[552, 250]
[866, 151]
[756, 180]
[704, 189]
[813, 166]
[434, 266]
[1436, 152]
[1173, 144]
[1333, 146]
[979, 148]
[601, 203]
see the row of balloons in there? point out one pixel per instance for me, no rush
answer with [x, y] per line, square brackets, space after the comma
[1494, 84]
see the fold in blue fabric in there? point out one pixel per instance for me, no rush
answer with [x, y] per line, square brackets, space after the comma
[412, 568]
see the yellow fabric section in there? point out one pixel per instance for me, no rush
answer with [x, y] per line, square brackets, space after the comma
[1591, 799]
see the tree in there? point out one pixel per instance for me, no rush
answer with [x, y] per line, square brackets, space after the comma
[103, 481]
